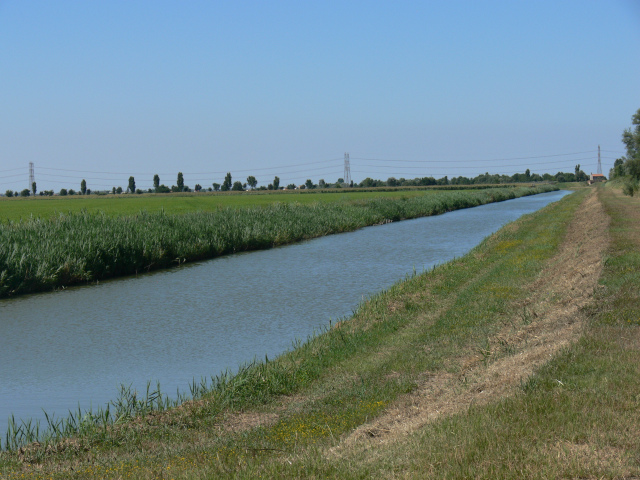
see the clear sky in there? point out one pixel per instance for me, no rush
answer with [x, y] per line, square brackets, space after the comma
[106, 89]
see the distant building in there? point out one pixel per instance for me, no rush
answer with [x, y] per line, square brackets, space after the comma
[597, 177]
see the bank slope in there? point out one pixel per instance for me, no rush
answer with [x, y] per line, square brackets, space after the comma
[44, 254]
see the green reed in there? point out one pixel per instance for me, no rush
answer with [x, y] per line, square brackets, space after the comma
[44, 254]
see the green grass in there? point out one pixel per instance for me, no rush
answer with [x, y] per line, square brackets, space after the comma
[15, 209]
[575, 418]
[329, 384]
[46, 253]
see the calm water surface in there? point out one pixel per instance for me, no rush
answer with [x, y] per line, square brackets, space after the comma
[61, 349]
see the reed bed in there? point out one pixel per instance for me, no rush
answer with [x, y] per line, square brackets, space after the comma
[44, 254]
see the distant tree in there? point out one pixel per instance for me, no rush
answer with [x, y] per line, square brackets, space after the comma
[119, 189]
[270, 186]
[392, 182]
[180, 182]
[443, 181]
[9, 193]
[527, 174]
[132, 185]
[321, 183]
[580, 175]
[138, 191]
[113, 190]
[237, 186]
[156, 181]
[163, 189]
[252, 182]
[216, 186]
[367, 182]
[25, 193]
[618, 168]
[198, 187]
[226, 185]
[291, 186]
[72, 191]
[88, 191]
[276, 183]
[309, 184]
[83, 186]
[63, 192]
[34, 188]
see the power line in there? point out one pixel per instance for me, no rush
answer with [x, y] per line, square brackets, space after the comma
[477, 160]
[221, 172]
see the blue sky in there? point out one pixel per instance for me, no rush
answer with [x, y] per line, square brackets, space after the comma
[106, 89]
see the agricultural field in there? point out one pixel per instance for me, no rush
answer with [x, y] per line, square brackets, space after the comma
[48, 252]
[19, 208]
[518, 360]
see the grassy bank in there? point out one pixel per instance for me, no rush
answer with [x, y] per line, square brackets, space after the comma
[42, 254]
[294, 416]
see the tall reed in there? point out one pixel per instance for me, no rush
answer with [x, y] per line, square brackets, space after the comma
[44, 254]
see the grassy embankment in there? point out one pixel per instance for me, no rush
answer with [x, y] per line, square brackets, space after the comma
[45, 253]
[294, 416]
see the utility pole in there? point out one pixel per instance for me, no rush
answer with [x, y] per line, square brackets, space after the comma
[599, 163]
[32, 177]
[347, 170]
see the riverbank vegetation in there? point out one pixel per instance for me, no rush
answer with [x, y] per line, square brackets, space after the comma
[513, 361]
[43, 254]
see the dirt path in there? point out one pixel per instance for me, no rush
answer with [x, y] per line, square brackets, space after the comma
[547, 321]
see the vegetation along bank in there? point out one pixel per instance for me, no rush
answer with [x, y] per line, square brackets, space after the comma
[41, 254]
[518, 360]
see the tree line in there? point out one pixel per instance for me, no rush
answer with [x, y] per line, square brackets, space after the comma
[627, 167]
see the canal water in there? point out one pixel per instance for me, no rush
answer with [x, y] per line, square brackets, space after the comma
[76, 347]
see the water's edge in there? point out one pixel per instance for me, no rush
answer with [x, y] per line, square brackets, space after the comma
[206, 310]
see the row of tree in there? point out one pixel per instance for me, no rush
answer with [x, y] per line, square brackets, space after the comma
[627, 167]
[486, 178]
[229, 185]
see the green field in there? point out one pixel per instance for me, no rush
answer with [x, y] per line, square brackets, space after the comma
[24, 208]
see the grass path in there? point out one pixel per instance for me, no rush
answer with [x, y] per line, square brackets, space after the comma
[519, 360]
